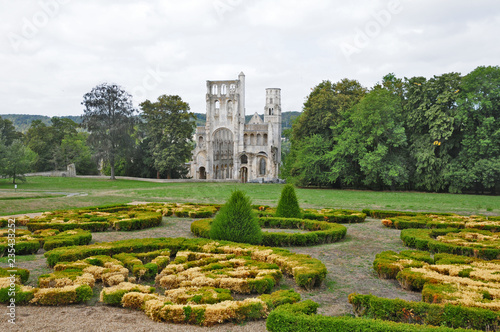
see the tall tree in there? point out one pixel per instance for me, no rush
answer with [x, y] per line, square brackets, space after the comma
[433, 132]
[370, 149]
[169, 127]
[478, 163]
[108, 116]
[16, 160]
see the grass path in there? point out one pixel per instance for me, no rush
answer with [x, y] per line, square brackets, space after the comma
[43, 194]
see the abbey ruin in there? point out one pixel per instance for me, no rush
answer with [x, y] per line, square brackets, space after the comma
[227, 148]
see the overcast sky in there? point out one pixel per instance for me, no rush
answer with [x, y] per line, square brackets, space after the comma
[52, 52]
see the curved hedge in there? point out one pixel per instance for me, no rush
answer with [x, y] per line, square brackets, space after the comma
[335, 216]
[319, 232]
[27, 243]
[425, 239]
[307, 272]
[430, 221]
[402, 311]
[302, 317]
[99, 219]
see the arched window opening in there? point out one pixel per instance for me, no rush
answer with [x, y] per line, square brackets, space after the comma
[262, 166]
[217, 104]
[245, 140]
[215, 89]
[244, 159]
[265, 139]
[229, 107]
[200, 142]
[223, 89]
[252, 139]
[259, 139]
[232, 88]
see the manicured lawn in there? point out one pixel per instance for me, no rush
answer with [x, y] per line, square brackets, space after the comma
[43, 193]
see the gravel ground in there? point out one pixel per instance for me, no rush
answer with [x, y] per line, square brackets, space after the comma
[349, 265]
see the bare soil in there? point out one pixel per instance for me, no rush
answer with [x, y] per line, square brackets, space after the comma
[349, 263]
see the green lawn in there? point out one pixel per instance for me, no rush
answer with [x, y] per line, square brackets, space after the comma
[43, 193]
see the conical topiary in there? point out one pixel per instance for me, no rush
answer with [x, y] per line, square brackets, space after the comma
[236, 221]
[288, 206]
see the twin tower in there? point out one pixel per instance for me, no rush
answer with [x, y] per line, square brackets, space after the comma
[228, 148]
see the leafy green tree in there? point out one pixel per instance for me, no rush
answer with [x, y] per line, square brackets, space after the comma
[108, 116]
[288, 205]
[478, 163]
[433, 132]
[312, 134]
[169, 126]
[8, 132]
[372, 142]
[236, 221]
[74, 149]
[16, 160]
[325, 107]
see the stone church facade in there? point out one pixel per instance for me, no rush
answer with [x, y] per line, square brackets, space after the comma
[227, 148]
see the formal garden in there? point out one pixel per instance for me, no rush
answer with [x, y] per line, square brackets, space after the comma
[279, 267]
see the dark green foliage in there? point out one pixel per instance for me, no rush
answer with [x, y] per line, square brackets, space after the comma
[236, 221]
[22, 273]
[319, 232]
[288, 206]
[280, 297]
[397, 310]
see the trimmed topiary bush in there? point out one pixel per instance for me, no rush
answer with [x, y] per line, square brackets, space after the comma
[288, 206]
[236, 221]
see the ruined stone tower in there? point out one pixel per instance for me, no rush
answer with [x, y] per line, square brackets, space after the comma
[229, 149]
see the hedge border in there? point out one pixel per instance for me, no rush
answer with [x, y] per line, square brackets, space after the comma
[307, 272]
[402, 311]
[422, 239]
[319, 232]
[302, 317]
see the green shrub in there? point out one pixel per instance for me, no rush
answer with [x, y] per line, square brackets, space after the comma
[301, 317]
[402, 311]
[288, 206]
[236, 221]
[22, 273]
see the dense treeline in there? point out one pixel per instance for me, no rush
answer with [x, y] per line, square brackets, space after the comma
[440, 134]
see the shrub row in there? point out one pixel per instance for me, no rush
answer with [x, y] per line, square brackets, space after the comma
[380, 214]
[424, 239]
[336, 216]
[307, 272]
[319, 232]
[47, 296]
[387, 264]
[89, 226]
[27, 243]
[448, 315]
[434, 221]
[23, 274]
[98, 219]
[301, 317]
[159, 308]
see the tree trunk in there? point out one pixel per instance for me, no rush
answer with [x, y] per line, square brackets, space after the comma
[157, 174]
[112, 164]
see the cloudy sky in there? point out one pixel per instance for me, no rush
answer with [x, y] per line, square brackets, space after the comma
[52, 52]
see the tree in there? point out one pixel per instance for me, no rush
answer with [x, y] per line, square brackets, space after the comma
[169, 126]
[16, 160]
[477, 165]
[372, 143]
[74, 149]
[236, 221]
[288, 205]
[433, 134]
[108, 116]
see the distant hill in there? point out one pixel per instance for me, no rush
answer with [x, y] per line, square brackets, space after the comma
[23, 121]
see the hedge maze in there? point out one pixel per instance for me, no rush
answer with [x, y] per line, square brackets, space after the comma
[202, 281]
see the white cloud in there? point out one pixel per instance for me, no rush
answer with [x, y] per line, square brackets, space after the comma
[172, 47]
